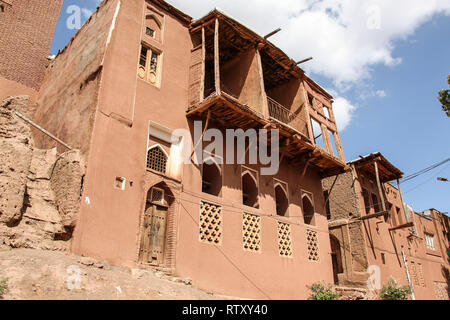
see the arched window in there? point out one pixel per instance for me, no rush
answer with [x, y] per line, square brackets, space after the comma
[157, 159]
[308, 209]
[153, 26]
[250, 189]
[281, 200]
[211, 178]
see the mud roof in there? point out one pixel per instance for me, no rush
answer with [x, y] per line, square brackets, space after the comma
[387, 170]
[280, 63]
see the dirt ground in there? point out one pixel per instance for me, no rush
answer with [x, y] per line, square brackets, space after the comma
[43, 275]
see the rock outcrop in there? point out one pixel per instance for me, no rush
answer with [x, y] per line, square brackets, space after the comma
[39, 189]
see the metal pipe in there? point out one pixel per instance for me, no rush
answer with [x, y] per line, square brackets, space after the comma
[42, 130]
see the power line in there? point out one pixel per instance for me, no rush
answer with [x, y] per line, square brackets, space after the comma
[423, 171]
[426, 181]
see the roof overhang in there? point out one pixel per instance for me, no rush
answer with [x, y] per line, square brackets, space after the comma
[387, 170]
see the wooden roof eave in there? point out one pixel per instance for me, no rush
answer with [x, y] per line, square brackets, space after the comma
[276, 53]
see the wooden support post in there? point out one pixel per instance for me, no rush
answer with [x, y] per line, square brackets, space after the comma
[217, 58]
[380, 192]
[264, 102]
[338, 143]
[401, 199]
[308, 115]
[306, 167]
[202, 79]
[326, 138]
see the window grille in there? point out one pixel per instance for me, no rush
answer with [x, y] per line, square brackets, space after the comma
[157, 160]
[251, 232]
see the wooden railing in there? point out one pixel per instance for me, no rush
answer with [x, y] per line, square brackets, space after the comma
[284, 115]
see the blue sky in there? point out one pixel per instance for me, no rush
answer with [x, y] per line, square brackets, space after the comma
[384, 63]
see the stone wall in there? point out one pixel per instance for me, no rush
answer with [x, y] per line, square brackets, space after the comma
[39, 189]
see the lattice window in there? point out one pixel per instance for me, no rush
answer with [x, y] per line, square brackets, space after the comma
[312, 242]
[211, 222]
[440, 290]
[284, 240]
[251, 232]
[157, 159]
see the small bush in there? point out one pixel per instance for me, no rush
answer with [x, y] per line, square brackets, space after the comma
[3, 287]
[392, 292]
[322, 291]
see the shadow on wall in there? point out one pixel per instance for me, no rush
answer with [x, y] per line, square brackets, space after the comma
[446, 274]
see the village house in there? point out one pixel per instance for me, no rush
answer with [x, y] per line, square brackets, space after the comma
[374, 236]
[136, 98]
[136, 73]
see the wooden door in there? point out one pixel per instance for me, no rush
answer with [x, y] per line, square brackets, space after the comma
[153, 235]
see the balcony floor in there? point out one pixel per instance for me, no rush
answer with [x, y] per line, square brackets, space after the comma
[295, 146]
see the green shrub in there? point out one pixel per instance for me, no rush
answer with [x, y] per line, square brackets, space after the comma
[3, 287]
[322, 291]
[392, 292]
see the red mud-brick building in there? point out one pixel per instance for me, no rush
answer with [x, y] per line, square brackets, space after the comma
[129, 90]
[26, 34]
[373, 234]
[133, 75]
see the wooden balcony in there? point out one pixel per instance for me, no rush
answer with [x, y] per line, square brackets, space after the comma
[279, 113]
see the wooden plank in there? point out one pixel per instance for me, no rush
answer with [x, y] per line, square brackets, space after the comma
[374, 215]
[265, 104]
[202, 84]
[380, 192]
[403, 226]
[217, 58]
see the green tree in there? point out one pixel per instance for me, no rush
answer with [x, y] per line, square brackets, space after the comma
[322, 291]
[392, 292]
[3, 287]
[444, 98]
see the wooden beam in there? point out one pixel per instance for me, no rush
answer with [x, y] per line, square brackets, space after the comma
[306, 167]
[264, 102]
[202, 79]
[373, 215]
[217, 58]
[403, 226]
[380, 192]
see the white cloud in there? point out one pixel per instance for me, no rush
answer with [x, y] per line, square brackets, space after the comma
[364, 95]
